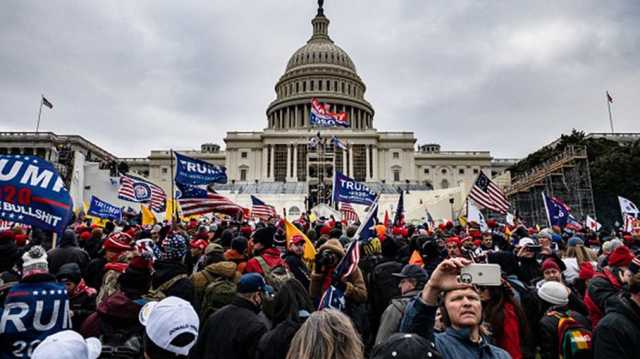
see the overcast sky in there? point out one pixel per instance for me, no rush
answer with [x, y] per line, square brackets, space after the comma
[504, 76]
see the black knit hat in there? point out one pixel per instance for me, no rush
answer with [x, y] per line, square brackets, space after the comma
[137, 278]
[69, 272]
[264, 236]
[405, 346]
[239, 244]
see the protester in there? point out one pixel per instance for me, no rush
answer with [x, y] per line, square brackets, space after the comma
[326, 334]
[170, 328]
[405, 346]
[237, 253]
[234, 330]
[265, 256]
[295, 261]
[68, 251]
[114, 246]
[67, 344]
[9, 274]
[462, 313]
[82, 298]
[171, 276]
[215, 285]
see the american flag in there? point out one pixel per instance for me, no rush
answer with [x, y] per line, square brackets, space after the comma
[195, 200]
[488, 195]
[349, 262]
[136, 189]
[261, 210]
[348, 213]
[398, 220]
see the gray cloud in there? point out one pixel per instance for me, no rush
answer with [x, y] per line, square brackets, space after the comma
[501, 76]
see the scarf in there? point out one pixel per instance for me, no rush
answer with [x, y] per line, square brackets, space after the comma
[81, 288]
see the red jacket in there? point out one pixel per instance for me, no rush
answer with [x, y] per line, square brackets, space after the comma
[510, 340]
[270, 255]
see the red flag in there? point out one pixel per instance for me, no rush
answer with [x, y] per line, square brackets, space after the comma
[387, 222]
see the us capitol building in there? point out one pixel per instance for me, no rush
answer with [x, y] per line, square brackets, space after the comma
[278, 161]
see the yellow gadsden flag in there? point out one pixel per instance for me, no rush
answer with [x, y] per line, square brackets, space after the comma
[148, 218]
[309, 249]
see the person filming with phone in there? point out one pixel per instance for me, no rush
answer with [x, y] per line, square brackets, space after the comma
[461, 309]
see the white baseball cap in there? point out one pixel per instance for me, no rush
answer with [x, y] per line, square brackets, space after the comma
[67, 344]
[168, 318]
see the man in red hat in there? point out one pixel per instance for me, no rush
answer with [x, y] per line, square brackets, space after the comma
[294, 260]
[453, 247]
[607, 284]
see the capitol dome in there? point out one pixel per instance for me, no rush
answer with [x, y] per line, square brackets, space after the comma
[319, 69]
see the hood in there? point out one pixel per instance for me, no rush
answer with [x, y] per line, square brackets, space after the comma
[165, 270]
[625, 306]
[334, 246]
[68, 239]
[119, 306]
[223, 269]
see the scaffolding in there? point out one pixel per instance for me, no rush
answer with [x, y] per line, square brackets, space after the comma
[565, 176]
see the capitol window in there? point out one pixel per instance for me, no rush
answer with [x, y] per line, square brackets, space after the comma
[444, 171]
[396, 175]
[165, 170]
[444, 184]
[243, 175]
[311, 85]
[426, 171]
[461, 171]
[243, 155]
[396, 155]
[476, 171]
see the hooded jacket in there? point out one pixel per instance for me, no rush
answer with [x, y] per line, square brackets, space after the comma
[67, 252]
[116, 311]
[238, 258]
[270, 255]
[356, 289]
[223, 269]
[165, 270]
[618, 333]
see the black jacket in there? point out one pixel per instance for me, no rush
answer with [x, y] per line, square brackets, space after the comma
[618, 333]
[548, 331]
[68, 252]
[183, 288]
[275, 343]
[95, 272]
[298, 268]
[231, 332]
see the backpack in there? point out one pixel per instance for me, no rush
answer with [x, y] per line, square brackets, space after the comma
[158, 294]
[121, 343]
[574, 339]
[218, 293]
[276, 276]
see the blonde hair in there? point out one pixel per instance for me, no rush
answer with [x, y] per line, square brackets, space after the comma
[326, 334]
[581, 254]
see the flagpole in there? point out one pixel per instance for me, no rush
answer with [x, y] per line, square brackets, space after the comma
[608, 107]
[173, 191]
[39, 114]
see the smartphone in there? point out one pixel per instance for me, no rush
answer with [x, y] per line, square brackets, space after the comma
[481, 274]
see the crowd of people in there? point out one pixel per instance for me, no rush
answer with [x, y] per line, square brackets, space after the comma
[217, 288]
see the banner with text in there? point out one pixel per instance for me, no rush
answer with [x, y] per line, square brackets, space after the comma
[346, 189]
[193, 171]
[32, 192]
[101, 209]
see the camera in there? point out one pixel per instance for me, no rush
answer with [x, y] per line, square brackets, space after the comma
[326, 258]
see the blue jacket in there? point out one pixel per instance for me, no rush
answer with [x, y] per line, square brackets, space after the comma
[452, 343]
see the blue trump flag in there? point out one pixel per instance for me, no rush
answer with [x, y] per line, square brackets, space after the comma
[193, 171]
[32, 192]
[101, 209]
[346, 189]
[557, 212]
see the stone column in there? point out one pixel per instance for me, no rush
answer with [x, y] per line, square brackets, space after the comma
[288, 177]
[265, 154]
[305, 116]
[272, 168]
[296, 117]
[352, 117]
[351, 161]
[367, 167]
[344, 160]
[295, 162]
[374, 175]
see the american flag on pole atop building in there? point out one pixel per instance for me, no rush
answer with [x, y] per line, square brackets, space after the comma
[261, 210]
[136, 189]
[348, 213]
[486, 194]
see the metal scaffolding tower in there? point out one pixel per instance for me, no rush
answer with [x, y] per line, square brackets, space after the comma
[565, 176]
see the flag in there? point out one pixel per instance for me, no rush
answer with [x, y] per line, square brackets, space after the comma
[630, 222]
[193, 171]
[387, 221]
[557, 212]
[474, 214]
[627, 206]
[348, 213]
[336, 142]
[101, 209]
[321, 116]
[416, 258]
[592, 224]
[609, 98]
[314, 141]
[510, 219]
[47, 102]
[430, 222]
[136, 189]
[148, 218]
[347, 189]
[291, 231]
[488, 195]
[261, 209]
[398, 219]
[367, 227]
[195, 200]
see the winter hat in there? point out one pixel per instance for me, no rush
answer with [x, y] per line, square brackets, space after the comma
[390, 248]
[199, 244]
[405, 346]
[8, 250]
[620, 257]
[253, 282]
[85, 235]
[174, 247]
[297, 238]
[454, 240]
[214, 248]
[34, 261]
[239, 244]
[117, 242]
[634, 266]
[69, 272]
[554, 293]
[264, 236]
[67, 344]
[167, 319]
[550, 263]
[586, 271]
[136, 278]
[246, 231]
[575, 241]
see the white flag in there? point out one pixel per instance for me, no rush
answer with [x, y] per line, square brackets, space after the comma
[473, 214]
[593, 224]
[510, 219]
[629, 222]
[627, 206]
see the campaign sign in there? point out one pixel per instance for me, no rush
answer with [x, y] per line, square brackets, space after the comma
[32, 192]
[197, 172]
[346, 189]
[101, 209]
[32, 312]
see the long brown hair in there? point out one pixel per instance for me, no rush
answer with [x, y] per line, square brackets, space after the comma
[327, 334]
